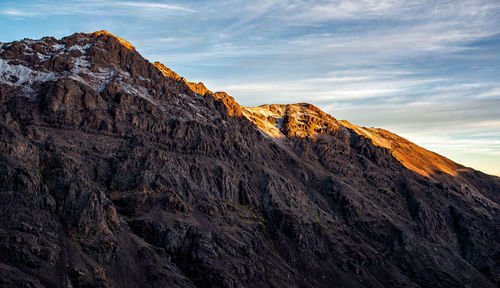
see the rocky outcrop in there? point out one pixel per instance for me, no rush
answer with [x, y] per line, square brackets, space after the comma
[292, 120]
[306, 120]
[114, 174]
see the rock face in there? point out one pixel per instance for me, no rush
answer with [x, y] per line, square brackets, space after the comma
[305, 120]
[115, 172]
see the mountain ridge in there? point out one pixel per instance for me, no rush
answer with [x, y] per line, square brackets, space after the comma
[381, 139]
[400, 147]
[116, 175]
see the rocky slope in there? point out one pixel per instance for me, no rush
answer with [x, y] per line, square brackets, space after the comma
[306, 120]
[116, 172]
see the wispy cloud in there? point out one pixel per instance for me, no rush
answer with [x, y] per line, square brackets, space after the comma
[490, 93]
[336, 87]
[426, 69]
[149, 5]
[17, 13]
[132, 8]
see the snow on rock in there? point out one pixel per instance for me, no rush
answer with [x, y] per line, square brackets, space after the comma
[268, 120]
[29, 42]
[43, 57]
[80, 48]
[26, 76]
[19, 75]
[57, 47]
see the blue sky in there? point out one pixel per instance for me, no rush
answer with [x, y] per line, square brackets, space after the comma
[426, 70]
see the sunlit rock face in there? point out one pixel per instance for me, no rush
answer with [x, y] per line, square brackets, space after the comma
[412, 156]
[116, 172]
[292, 120]
[306, 120]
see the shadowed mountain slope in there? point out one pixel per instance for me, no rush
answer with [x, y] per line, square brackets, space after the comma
[116, 172]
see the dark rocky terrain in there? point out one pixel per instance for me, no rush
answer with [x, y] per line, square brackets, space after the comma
[115, 172]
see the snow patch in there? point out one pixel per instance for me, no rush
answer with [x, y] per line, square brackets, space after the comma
[80, 48]
[19, 75]
[22, 73]
[106, 75]
[141, 92]
[29, 42]
[80, 68]
[57, 47]
[42, 57]
[103, 77]
[81, 63]
[27, 49]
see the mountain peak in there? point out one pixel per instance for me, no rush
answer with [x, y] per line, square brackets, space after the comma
[125, 43]
[292, 120]
[306, 120]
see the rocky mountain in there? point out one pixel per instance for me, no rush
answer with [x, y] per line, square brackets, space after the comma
[116, 172]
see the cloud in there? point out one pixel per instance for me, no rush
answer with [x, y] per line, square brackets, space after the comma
[93, 8]
[149, 5]
[424, 69]
[490, 93]
[344, 86]
[17, 13]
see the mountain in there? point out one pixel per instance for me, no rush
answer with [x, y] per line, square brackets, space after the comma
[306, 120]
[117, 172]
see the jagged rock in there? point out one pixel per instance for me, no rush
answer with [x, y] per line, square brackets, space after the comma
[116, 172]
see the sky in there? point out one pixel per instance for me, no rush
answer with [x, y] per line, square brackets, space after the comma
[426, 70]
